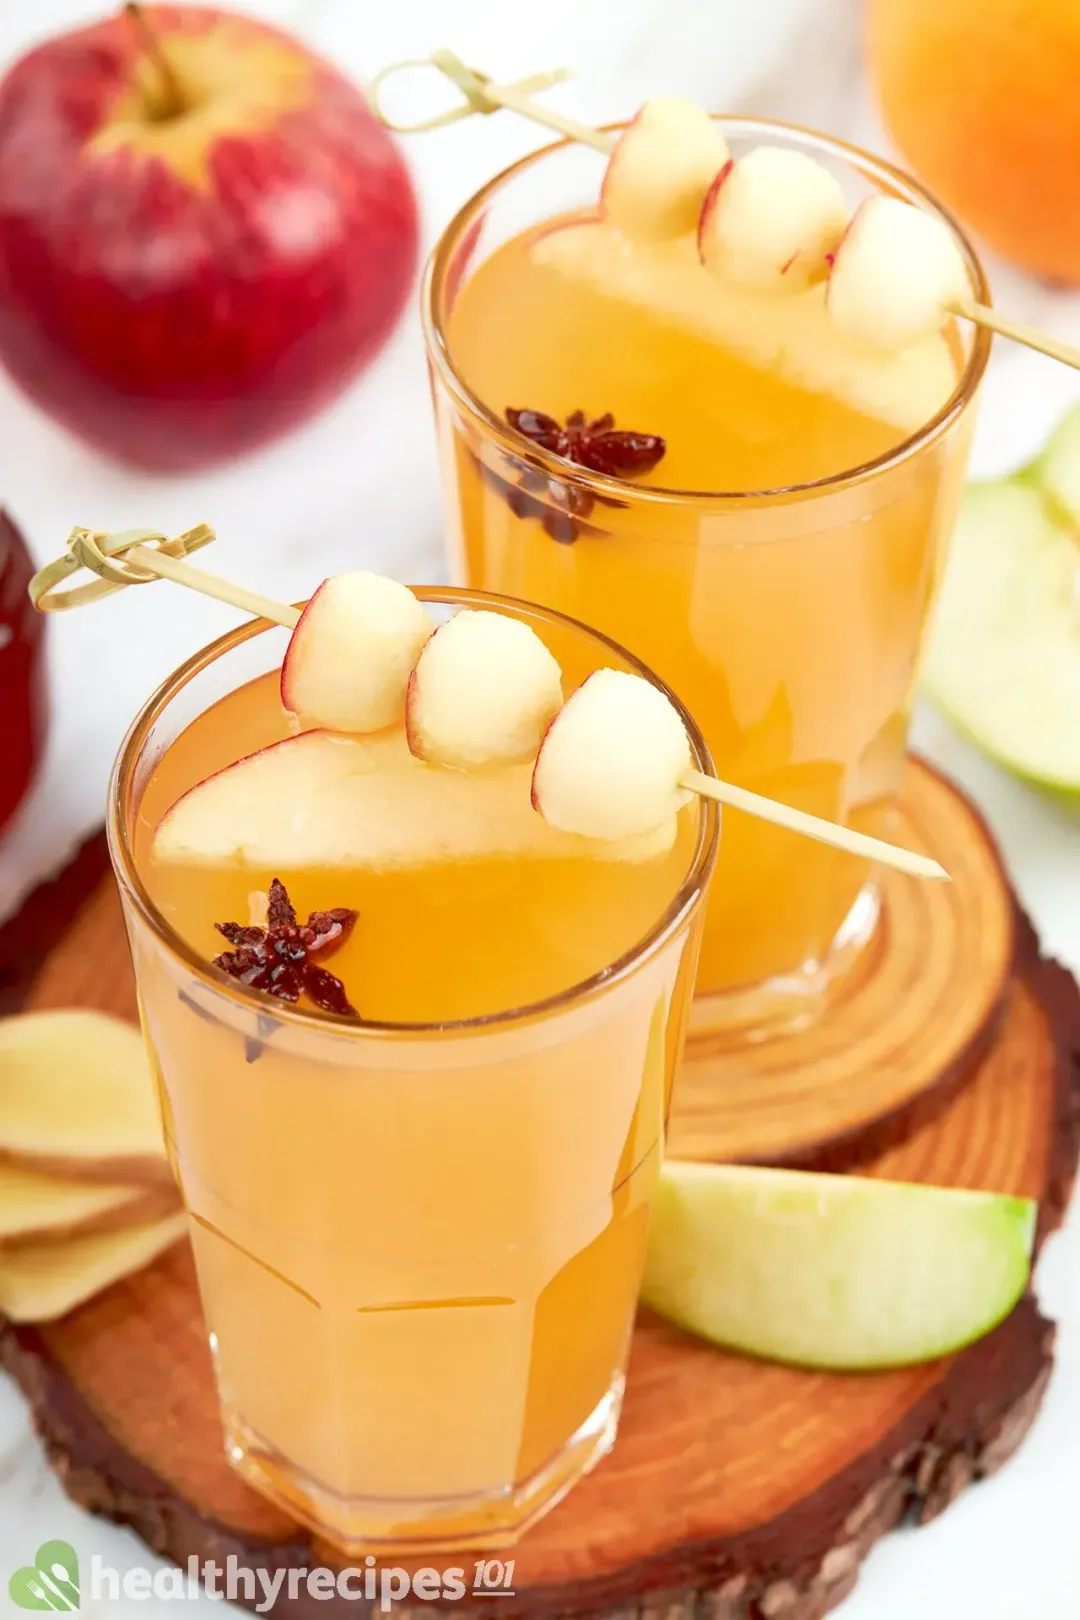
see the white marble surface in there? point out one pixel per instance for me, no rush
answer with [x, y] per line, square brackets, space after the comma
[358, 488]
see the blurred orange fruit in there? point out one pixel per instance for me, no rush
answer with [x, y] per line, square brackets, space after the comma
[983, 99]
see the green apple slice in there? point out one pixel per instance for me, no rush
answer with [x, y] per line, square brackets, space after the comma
[1003, 659]
[1057, 470]
[839, 1272]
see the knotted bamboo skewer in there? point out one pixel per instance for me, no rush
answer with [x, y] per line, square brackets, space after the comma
[483, 96]
[139, 556]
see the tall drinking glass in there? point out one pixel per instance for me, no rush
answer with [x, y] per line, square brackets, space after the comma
[418, 1246]
[782, 594]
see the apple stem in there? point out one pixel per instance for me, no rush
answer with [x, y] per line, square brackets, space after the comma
[170, 100]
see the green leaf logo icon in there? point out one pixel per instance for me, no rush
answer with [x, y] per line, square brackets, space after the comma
[50, 1582]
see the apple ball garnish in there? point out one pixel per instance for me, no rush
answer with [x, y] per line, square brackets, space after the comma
[612, 759]
[896, 275]
[771, 220]
[660, 170]
[205, 234]
[482, 693]
[348, 660]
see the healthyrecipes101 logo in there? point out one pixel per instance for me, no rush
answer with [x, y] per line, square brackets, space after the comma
[52, 1582]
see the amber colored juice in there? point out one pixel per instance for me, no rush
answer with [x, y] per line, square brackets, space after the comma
[790, 630]
[418, 1259]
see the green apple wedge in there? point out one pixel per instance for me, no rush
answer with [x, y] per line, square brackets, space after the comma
[1003, 657]
[838, 1272]
[1057, 470]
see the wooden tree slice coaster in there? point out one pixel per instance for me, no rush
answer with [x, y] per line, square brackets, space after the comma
[905, 1028]
[737, 1489]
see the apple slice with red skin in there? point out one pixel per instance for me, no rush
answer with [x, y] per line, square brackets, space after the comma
[348, 660]
[181, 283]
[325, 800]
[661, 168]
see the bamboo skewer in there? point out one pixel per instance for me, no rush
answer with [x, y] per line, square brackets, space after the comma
[1018, 331]
[222, 590]
[800, 821]
[478, 89]
[138, 556]
[482, 96]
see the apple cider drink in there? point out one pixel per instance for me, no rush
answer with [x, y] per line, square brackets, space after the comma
[722, 419]
[414, 1044]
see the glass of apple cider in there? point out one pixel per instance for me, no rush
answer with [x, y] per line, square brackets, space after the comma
[775, 566]
[418, 1232]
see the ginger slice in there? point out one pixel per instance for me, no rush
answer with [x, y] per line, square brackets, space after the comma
[35, 1206]
[41, 1281]
[77, 1098]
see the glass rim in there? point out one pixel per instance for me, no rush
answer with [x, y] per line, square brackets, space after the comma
[690, 892]
[438, 347]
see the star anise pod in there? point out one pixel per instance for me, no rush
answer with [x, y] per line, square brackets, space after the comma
[279, 959]
[548, 500]
[596, 444]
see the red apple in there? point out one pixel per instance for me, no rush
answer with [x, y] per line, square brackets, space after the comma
[204, 233]
[22, 673]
